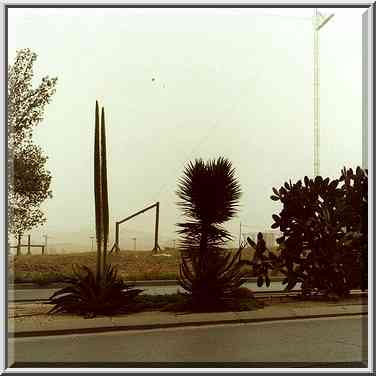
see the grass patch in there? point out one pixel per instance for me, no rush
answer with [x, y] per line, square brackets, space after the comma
[131, 265]
[39, 278]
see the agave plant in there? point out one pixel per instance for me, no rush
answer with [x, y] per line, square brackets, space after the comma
[209, 194]
[87, 296]
[219, 284]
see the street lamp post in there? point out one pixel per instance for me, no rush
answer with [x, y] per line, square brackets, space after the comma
[319, 21]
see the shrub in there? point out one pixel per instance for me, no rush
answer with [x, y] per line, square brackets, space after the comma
[209, 194]
[322, 226]
[90, 297]
[263, 263]
[354, 214]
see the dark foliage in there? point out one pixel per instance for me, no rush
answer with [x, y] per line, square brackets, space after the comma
[209, 194]
[355, 218]
[240, 300]
[263, 262]
[86, 296]
[216, 287]
[324, 233]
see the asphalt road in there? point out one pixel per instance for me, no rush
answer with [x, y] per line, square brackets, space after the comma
[28, 294]
[322, 340]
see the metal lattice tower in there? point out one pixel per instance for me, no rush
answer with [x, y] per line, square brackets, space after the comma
[319, 21]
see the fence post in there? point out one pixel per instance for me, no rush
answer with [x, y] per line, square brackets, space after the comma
[28, 244]
[156, 246]
[18, 245]
[117, 249]
[45, 242]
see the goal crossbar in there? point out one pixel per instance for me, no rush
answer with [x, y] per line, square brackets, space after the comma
[116, 246]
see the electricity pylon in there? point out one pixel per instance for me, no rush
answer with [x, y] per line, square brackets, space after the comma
[319, 20]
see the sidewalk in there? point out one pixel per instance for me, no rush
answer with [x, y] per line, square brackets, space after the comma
[21, 324]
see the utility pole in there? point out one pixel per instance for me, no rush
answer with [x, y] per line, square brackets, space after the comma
[18, 245]
[45, 242]
[92, 242]
[319, 21]
[134, 243]
[28, 245]
[240, 235]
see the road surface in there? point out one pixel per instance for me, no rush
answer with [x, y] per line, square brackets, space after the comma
[323, 340]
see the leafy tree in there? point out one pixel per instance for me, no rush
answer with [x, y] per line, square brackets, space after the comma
[209, 194]
[29, 181]
[26, 104]
[28, 188]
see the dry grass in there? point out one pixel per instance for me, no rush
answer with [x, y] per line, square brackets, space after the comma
[133, 266]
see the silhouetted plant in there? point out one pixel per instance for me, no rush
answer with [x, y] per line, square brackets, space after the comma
[104, 292]
[100, 191]
[354, 214]
[90, 297]
[320, 223]
[263, 262]
[209, 194]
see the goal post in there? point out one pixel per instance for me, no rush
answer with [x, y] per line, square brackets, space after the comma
[156, 247]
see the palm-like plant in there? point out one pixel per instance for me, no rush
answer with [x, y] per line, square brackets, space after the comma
[209, 195]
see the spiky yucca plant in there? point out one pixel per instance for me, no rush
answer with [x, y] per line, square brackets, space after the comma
[90, 297]
[209, 194]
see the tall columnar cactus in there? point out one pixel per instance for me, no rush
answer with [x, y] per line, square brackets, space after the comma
[100, 191]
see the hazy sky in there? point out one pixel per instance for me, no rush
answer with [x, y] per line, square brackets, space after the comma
[230, 82]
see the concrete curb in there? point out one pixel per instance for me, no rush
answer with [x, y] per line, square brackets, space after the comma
[161, 282]
[258, 294]
[272, 294]
[105, 329]
[262, 294]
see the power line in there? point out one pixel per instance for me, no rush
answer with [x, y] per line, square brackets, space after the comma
[201, 141]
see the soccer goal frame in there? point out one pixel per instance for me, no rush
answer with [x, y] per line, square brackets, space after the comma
[156, 247]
